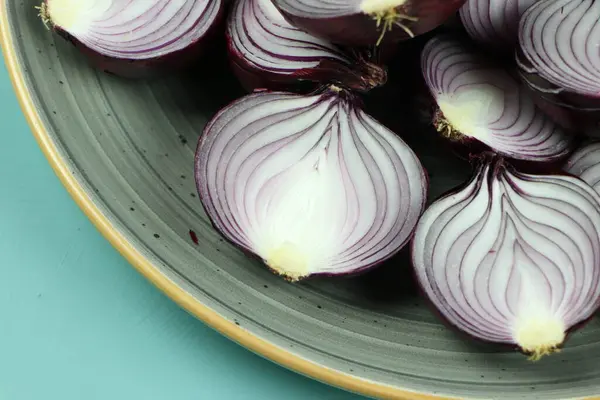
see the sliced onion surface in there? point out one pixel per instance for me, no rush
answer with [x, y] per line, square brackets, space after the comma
[494, 22]
[368, 22]
[480, 101]
[585, 163]
[558, 54]
[310, 184]
[134, 31]
[269, 52]
[512, 258]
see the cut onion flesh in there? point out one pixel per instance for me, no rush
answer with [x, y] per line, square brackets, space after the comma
[310, 184]
[585, 163]
[479, 101]
[558, 54]
[494, 22]
[368, 22]
[137, 32]
[512, 258]
[266, 51]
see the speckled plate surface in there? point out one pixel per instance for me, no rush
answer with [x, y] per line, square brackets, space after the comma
[125, 152]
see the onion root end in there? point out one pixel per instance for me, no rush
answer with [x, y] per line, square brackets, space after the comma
[44, 15]
[287, 261]
[445, 128]
[387, 19]
[540, 337]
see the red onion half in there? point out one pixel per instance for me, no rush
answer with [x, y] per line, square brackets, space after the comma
[585, 163]
[512, 258]
[479, 101]
[558, 55]
[310, 184]
[368, 22]
[135, 38]
[266, 51]
[494, 22]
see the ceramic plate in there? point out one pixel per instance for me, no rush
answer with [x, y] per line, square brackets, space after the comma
[124, 150]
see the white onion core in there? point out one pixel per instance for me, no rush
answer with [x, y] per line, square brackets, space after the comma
[471, 110]
[378, 6]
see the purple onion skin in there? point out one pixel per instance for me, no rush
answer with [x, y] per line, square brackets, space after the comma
[152, 67]
[553, 94]
[468, 149]
[561, 115]
[252, 80]
[364, 77]
[361, 29]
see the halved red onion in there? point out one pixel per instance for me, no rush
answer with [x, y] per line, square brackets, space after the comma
[512, 258]
[585, 163]
[266, 51]
[479, 101]
[368, 22]
[135, 38]
[558, 54]
[494, 22]
[309, 183]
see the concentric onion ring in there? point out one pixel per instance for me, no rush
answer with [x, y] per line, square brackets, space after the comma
[494, 22]
[268, 52]
[480, 101]
[310, 184]
[134, 31]
[512, 258]
[559, 41]
[585, 163]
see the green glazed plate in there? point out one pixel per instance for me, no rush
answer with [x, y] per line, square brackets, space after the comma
[124, 150]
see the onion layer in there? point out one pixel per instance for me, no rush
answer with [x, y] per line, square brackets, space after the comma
[482, 102]
[268, 52]
[135, 38]
[585, 163]
[494, 22]
[512, 258]
[559, 57]
[368, 22]
[310, 184]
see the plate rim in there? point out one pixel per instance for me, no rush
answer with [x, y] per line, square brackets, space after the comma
[152, 273]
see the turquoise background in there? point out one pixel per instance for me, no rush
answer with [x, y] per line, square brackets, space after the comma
[78, 323]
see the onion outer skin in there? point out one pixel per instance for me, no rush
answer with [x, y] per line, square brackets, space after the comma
[146, 67]
[540, 69]
[585, 164]
[444, 253]
[494, 22]
[355, 28]
[327, 62]
[259, 120]
[480, 103]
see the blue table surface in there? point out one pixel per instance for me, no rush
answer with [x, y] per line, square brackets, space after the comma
[77, 322]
